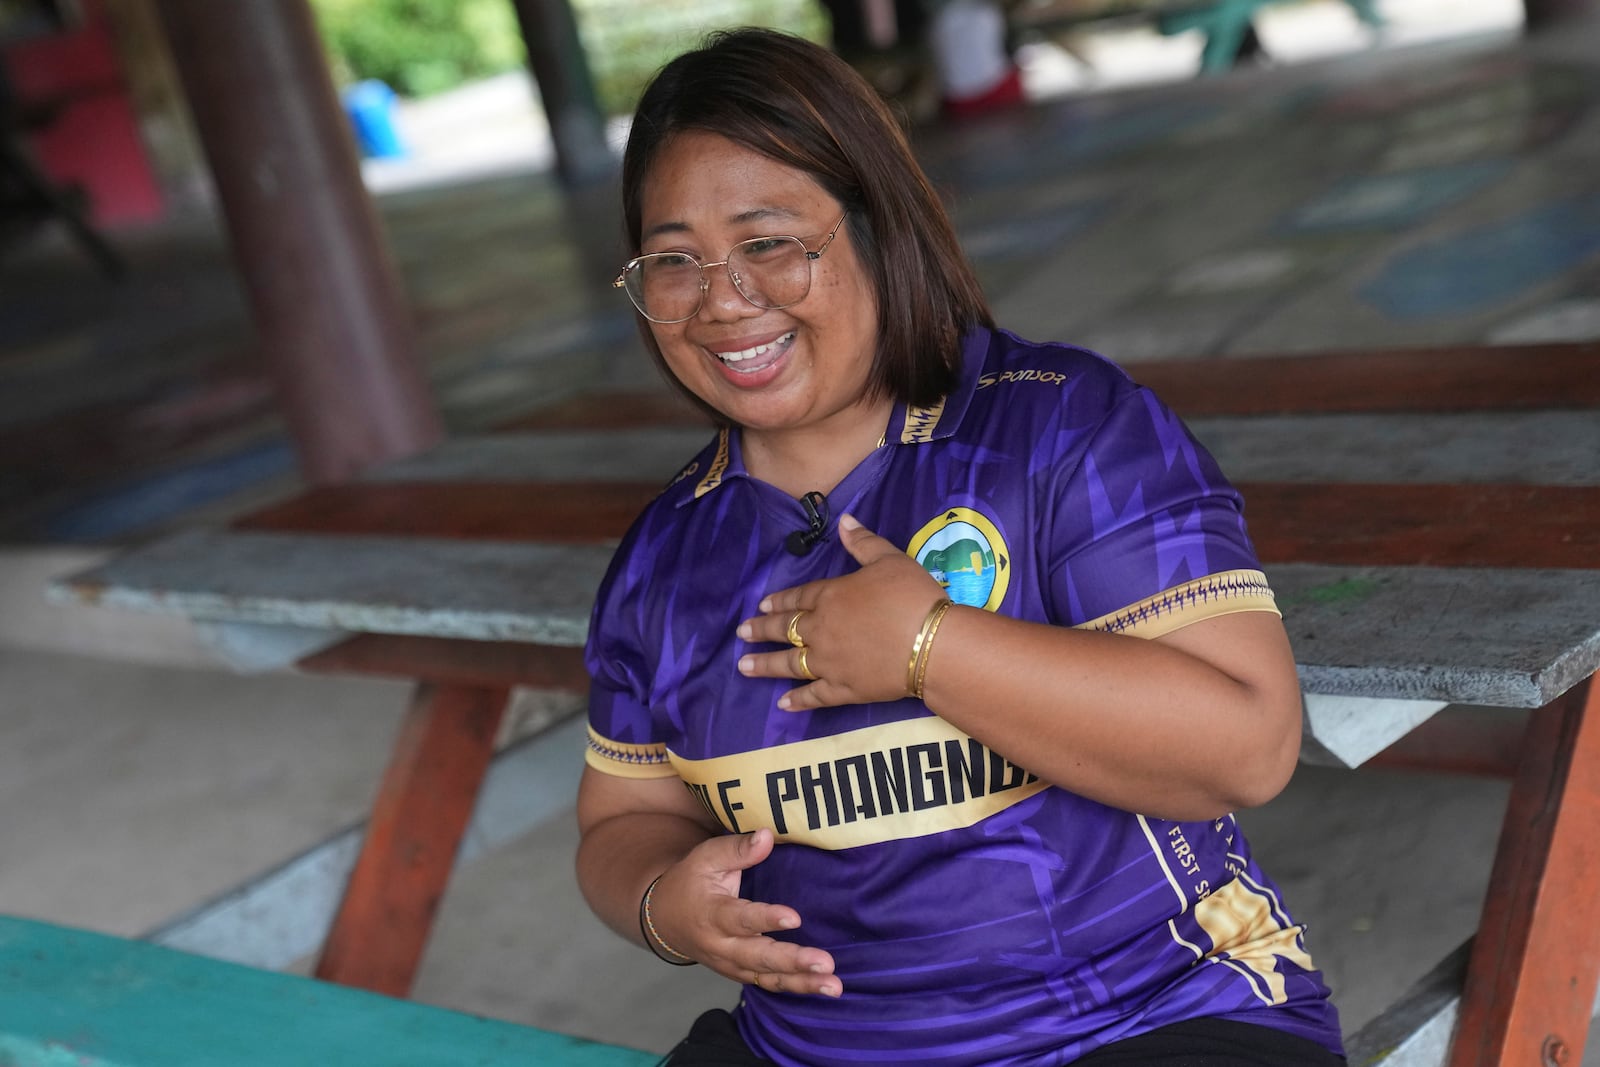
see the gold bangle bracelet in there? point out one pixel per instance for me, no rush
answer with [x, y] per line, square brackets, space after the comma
[652, 936]
[919, 648]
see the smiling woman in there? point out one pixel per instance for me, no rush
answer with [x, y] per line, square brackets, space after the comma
[947, 776]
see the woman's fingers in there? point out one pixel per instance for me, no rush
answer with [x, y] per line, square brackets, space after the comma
[746, 954]
[696, 907]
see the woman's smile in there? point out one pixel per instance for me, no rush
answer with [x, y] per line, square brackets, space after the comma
[755, 358]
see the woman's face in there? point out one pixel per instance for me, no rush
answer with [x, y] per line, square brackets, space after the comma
[805, 366]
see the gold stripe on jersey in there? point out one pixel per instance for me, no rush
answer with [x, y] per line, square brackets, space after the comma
[718, 468]
[921, 423]
[882, 783]
[626, 760]
[1248, 933]
[1224, 593]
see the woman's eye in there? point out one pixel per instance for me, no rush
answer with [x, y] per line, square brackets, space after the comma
[763, 246]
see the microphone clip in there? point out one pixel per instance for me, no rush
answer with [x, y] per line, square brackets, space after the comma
[800, 542]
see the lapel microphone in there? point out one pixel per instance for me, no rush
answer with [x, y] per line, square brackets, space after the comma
[799, 542]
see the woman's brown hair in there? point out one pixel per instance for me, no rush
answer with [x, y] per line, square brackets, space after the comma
[802, 106]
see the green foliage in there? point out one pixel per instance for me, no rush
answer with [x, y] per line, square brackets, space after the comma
[419, 46]
[627, 41]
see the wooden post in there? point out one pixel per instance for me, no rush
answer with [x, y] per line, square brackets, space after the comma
[326, 299]
[423, 807]
[1539, 13]
[1536, 959]
[556, 56]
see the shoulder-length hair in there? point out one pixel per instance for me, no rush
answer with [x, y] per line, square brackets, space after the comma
[800, 105]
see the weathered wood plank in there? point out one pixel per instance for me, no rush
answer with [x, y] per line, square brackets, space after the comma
[1490, 636]
[1464, 378]
[549, 512]
[438, 659]
[1500, 638]
[636, 455]
[1521, 447]
[70, 996]
[1506, 526]
[1545, 447]
[622, 409]
[480, 590]
[1357, 524]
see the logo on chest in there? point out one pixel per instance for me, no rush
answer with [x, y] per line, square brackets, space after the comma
[965, 553]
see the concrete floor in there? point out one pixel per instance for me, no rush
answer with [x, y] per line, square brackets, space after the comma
[1450, 193]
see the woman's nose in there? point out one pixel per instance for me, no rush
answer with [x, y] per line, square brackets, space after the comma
[723, 300]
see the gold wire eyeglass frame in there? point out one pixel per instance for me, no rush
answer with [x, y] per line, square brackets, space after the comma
[621, 280]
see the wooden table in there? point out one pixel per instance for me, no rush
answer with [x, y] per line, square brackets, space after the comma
[1430, 522]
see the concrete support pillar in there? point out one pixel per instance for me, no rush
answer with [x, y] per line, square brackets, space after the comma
[327, 301]
[555, 53]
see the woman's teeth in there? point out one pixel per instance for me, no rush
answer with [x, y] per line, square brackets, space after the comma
[740, 356]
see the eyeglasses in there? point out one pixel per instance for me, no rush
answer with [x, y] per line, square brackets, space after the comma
[770, 272]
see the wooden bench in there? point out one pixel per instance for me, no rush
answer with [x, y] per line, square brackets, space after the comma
[1226, 24]
[1430, 522]
[73, 997]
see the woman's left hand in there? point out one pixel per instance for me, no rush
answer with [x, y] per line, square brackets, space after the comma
[857, 629]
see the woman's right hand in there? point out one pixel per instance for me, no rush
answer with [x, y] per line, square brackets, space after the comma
[697, 911]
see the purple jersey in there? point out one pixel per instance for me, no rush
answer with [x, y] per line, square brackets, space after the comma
[976, 915]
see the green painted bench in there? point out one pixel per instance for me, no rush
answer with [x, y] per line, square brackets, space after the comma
[69, 998]
[1225, 23]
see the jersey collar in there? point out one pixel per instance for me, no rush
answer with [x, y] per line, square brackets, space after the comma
[918, 425]
[908, 425]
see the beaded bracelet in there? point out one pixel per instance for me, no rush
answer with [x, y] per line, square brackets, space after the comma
[917, 669]
[652, 936]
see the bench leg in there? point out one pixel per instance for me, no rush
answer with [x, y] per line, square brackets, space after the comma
[1536, 959]
[423, 807]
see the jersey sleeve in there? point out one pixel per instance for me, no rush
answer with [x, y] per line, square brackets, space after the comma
[623, 736]
[1148, 535]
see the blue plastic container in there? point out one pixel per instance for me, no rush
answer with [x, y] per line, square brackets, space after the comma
[371, 107]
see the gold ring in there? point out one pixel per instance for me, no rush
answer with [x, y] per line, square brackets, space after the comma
[791, 633]
[805, 668]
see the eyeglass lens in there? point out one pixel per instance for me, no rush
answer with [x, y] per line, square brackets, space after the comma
[770, 272]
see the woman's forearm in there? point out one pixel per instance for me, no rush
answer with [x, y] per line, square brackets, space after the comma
[631, 830]
[1146, 726]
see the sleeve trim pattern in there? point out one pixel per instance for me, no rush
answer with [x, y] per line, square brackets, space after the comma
[1203, 598]
[626, 760]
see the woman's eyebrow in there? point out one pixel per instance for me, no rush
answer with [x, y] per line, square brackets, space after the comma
[664, 227]
[760, 213]
[753, 215]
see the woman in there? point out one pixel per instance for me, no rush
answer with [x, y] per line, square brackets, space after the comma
[957, 641]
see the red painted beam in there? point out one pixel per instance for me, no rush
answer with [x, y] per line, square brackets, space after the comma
[563, 512]
[1425, 525]
[611, 411]
[1536, 959]
[454, 662]
[1465, 378]
[424, 804]
[1483, 742]
[1356, 525]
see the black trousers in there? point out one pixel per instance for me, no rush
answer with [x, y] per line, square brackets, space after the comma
[714, 1041]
